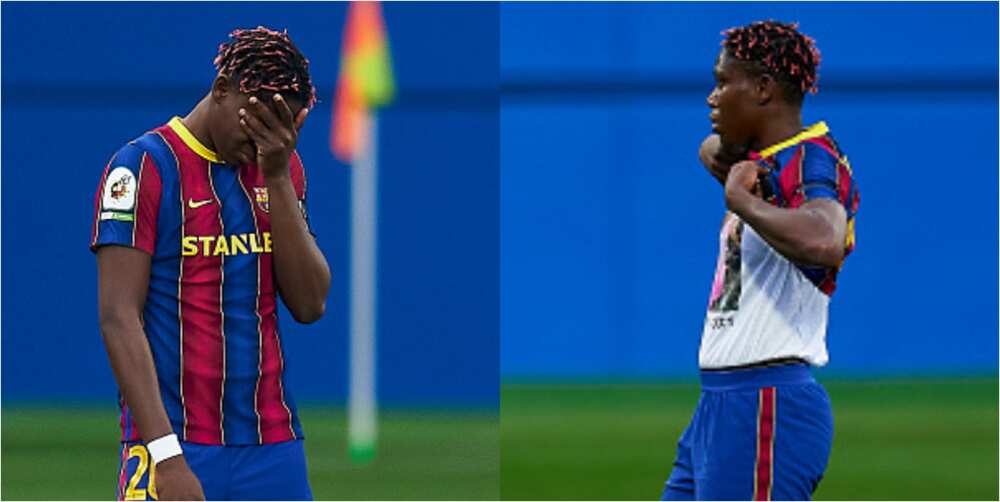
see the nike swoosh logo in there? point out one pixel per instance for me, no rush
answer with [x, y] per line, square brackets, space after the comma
[193, 204]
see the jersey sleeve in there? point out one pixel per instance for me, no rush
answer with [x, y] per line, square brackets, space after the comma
[127, 201]
[826, 174]
[819, 173]
[298, 173]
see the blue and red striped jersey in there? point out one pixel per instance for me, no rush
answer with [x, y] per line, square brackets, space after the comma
[811, 165]
[211, 314]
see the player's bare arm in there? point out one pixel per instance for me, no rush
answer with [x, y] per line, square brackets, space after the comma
[812, 234]
[123, 281]
[302, 273]
[718, 158]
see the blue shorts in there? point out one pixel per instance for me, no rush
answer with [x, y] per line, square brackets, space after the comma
[255, 472]
[757, 434]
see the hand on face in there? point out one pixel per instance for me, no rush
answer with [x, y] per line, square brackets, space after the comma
[274, 134]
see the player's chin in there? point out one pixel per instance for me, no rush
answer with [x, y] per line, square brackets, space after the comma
[727, 137]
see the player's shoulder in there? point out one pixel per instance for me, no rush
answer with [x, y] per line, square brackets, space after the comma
[820, 154]
[132, 169]
[128, 155]
[823, 147]
[143, 152]
[154, 143]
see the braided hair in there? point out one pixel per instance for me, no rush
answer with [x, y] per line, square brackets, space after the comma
[261, 59]
[778, 49]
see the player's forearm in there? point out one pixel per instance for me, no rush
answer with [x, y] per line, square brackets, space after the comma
[302, 272]
[132, 364]
[802, 235]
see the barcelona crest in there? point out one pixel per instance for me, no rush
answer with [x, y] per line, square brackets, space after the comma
[261, 194]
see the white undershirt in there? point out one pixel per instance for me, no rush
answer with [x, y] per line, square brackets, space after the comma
[762, 306]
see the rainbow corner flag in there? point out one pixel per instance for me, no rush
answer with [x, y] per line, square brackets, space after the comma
[365, 80]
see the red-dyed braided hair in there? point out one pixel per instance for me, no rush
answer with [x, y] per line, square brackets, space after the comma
[779, 50]
[261, 60]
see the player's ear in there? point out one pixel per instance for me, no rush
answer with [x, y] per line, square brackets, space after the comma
[221, 88]
[766, 87]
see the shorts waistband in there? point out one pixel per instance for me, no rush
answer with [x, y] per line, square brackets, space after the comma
[750, 378]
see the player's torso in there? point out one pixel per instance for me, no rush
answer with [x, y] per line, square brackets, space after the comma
[762, 306]
[211, 311]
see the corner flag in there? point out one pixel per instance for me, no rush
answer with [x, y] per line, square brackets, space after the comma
[365, 83]
[365, 80]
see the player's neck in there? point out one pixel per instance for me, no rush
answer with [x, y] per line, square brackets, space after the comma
[197, 122]
[776, 129]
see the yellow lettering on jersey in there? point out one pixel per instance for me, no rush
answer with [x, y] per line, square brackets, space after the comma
[132, 491]
[254, 245]
[238, 245]
[152, 481]
[189, 245]
[221, 247]
[206, 244]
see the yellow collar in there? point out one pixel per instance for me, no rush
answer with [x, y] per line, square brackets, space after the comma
[814, 131]
[191, 141]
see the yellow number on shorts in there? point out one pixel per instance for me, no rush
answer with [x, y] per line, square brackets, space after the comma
[132, 492]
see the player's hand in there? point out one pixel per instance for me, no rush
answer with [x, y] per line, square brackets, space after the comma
[274, 134]
[742, 180]
[718, 157]
[175, 481]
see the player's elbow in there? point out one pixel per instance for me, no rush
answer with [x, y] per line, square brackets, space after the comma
[307, 302]
[708, 150]
[309, 312]
[115, 320]
[824, 252]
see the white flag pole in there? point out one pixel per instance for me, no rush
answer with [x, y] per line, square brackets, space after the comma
[362, 415]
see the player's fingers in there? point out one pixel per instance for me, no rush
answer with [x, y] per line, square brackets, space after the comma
[744, 164]
[264, 113]
[284, 112]
[253, 130]
[251, 134]
[300, 120]
[257, 131]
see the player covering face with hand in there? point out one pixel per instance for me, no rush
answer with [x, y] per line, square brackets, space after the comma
[763, 427]
[200, 225]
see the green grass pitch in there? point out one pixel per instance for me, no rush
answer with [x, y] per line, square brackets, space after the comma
[918, 439]
[71, 454]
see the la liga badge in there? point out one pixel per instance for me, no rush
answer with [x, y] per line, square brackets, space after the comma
[119, 190]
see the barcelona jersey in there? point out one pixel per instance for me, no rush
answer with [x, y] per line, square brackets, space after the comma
[211, 311]
[808, 166]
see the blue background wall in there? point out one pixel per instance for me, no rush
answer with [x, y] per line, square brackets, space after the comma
[609, 225]
[79, 80]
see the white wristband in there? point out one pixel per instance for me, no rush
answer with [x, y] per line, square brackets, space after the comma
[163, 448]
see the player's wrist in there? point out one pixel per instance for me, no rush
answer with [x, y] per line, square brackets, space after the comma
[737, 197]
[277, 176]
[164, 448]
